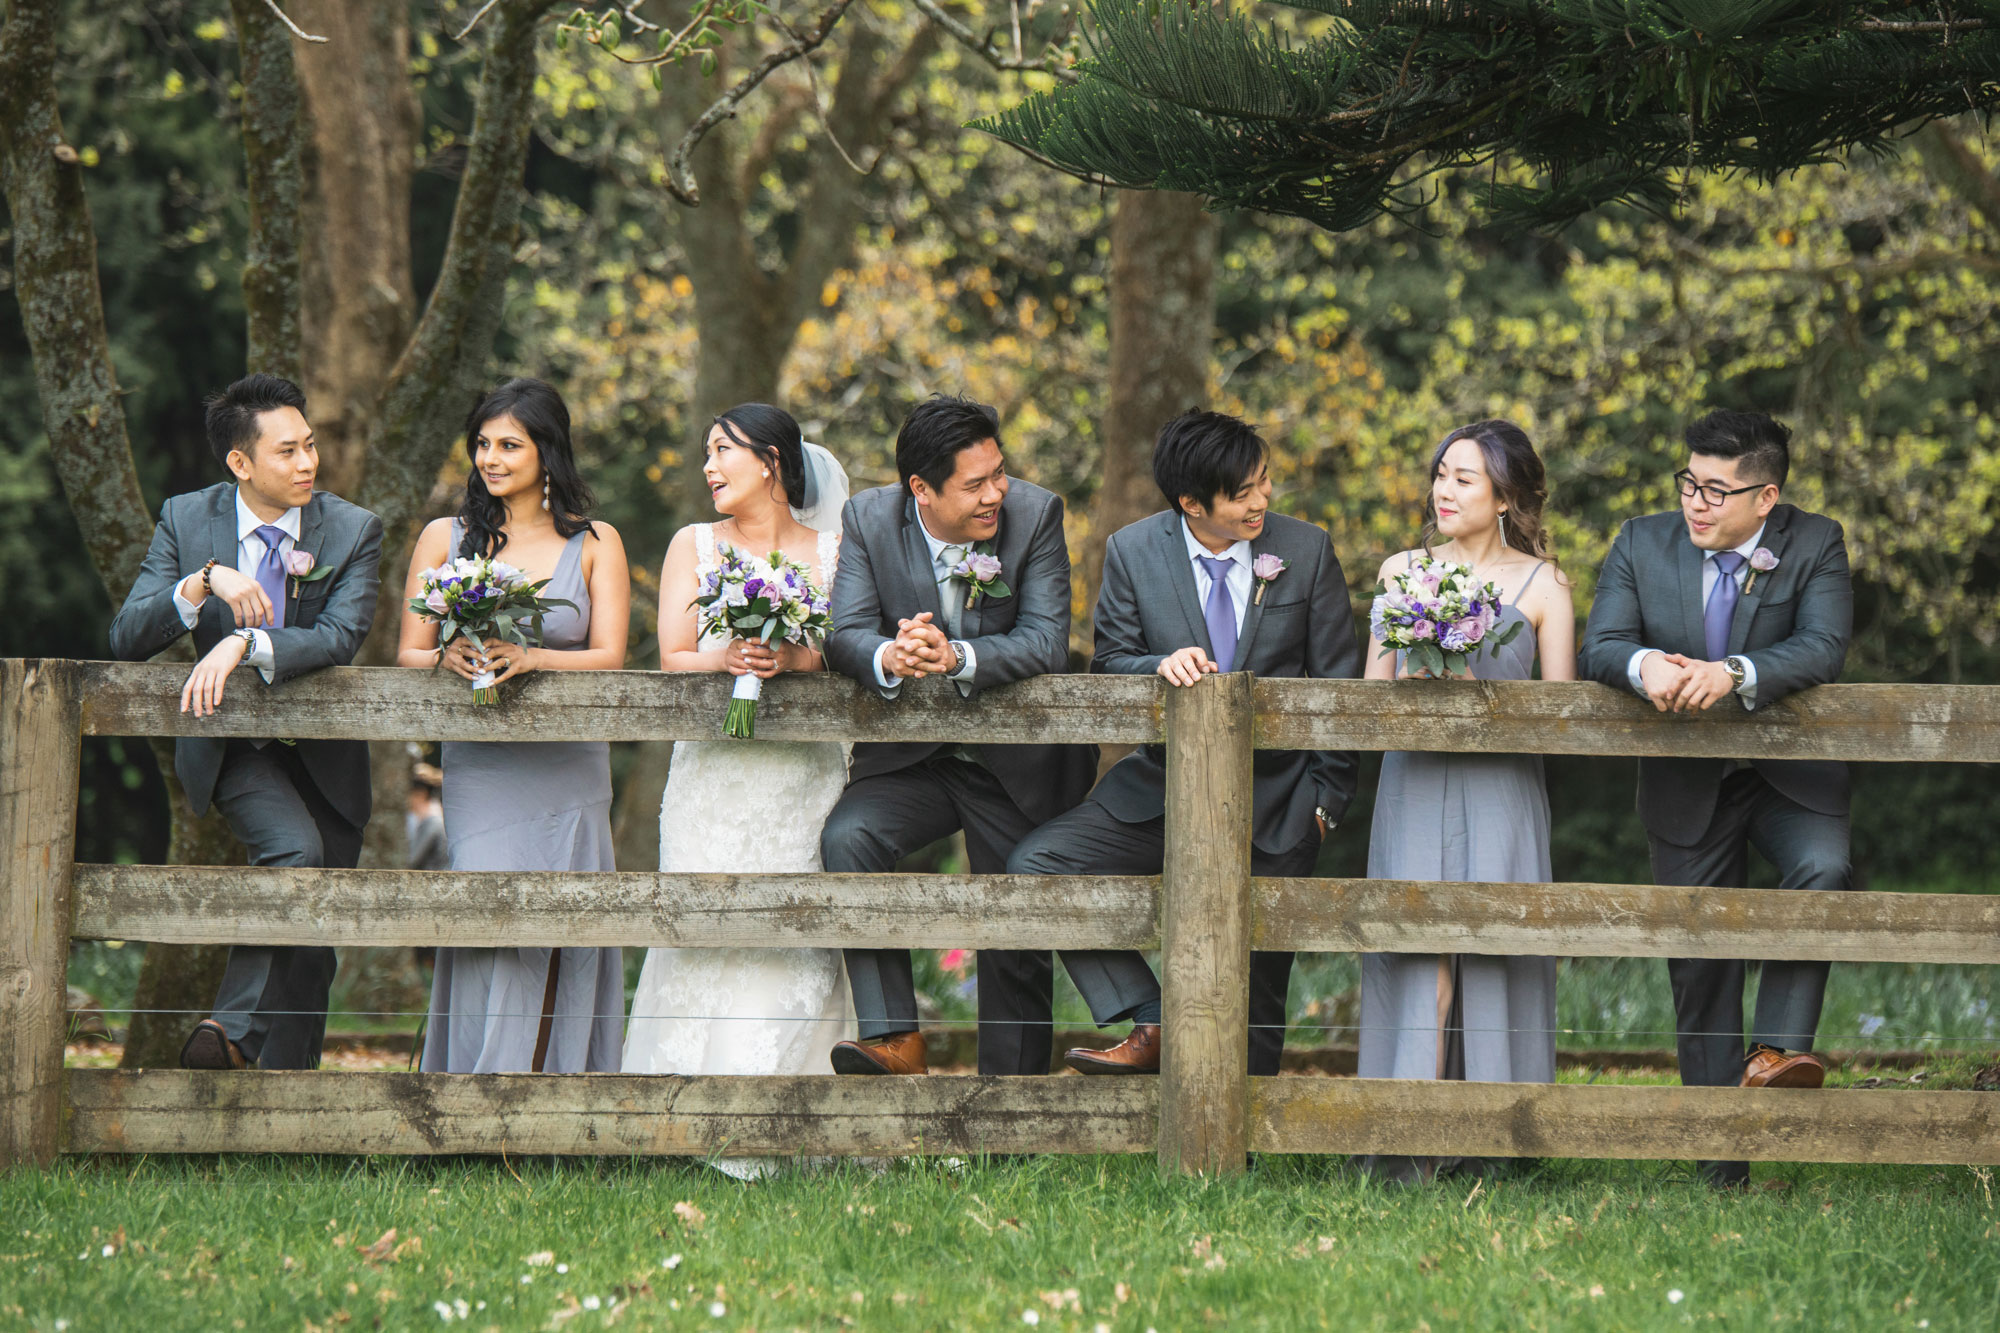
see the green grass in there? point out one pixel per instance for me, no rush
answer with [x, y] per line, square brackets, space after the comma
[261, 1243]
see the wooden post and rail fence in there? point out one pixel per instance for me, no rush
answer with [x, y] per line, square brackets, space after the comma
[1204, 913]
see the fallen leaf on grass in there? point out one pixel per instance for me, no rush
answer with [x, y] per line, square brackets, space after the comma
[383, 1248]
[691, 1217]
[540, 1259]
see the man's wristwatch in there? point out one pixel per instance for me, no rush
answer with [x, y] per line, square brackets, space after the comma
[1734, 666]
[1325, 819]
[249, 637]
[962, 653]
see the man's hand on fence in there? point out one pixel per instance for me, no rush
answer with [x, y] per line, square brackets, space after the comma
[202, 694]
[921, 649]
[1187, 666]
[1704, 685]
[1663, 674]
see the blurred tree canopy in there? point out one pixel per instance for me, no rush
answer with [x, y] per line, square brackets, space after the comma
[1853, 299]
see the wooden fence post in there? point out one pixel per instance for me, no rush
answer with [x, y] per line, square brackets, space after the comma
[40, 738]
[1205, 929]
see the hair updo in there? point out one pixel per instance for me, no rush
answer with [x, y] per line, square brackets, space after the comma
[771, 434]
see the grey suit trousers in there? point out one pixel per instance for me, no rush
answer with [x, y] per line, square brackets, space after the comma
[272, 1000]
[881, 819]
[1091, 840]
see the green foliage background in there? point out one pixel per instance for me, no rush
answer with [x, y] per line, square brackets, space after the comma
[1854, 300]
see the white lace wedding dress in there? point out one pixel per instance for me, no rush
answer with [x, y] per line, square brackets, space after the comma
[735, 806]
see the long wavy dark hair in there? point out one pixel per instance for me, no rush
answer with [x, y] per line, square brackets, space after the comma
[545, 417]
[773, 435]
[1519, 482]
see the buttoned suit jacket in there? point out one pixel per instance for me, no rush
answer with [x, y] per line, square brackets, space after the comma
[1301, 624]
[326, 620]
[1794, 624]
[885, 576]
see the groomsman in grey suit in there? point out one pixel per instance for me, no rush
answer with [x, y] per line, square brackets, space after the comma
[1216, 583]
[265, 572]
[1735, 597]
[960, 572]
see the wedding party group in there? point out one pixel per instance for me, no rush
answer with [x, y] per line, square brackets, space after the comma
[958, 570]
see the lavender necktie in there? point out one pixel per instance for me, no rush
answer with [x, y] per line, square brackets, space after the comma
[1721, 607]
[1220, 613]
[270, 574]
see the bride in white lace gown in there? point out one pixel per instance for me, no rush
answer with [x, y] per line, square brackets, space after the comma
[733, 806]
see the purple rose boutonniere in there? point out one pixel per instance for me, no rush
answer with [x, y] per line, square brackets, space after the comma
[1761, 562]
[1264, 569]
[980, 570]
[300, 565]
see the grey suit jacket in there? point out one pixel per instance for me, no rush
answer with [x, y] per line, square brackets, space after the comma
[1148, 608]
[885, 576]
[324, 624]
[1794, 625]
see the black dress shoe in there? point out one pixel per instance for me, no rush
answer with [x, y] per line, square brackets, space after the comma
[209, 1047]
[1724, 1175]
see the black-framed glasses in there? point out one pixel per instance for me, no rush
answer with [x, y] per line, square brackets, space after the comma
[1712, 493]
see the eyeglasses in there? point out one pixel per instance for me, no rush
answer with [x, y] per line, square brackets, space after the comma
[1712, 493]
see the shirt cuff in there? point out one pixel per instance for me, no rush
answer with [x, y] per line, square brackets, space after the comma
[888, 686]
[261, 656]
[1632, 670]
[1747, 691]
[189, 611]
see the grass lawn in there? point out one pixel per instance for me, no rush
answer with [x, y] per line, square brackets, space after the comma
[1056, 1243]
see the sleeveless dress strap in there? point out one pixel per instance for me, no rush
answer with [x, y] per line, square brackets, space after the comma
[704, 544]
[829, 558]
[1516, 600]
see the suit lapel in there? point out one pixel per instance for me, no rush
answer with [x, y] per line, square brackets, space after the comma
[1687, 574]
[224, 549]
[1253, 614]
[968, 621]
[1776, 533]
[917, 559]
[1180, 573]
[311, 538]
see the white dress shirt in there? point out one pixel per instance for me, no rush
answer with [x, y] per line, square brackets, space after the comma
[1238, 581]
[249, 554]
[968, 661]
[1747, 691]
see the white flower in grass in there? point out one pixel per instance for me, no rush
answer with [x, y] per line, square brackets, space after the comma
[671, 1262]
[1030, 1317]
[110, 1250]
[444, 1312]
[1676, 1296]
[526, 1278]
[464, 1310]
[716, 1309]
[562, 1268]
[591, 1302]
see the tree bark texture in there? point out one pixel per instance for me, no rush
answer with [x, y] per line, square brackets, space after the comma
[1162, 319]
[272, 149]
[360, 150]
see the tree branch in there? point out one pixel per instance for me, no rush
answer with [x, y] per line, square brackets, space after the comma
[62, 304]
[680, 180]
[1956, 167]
[297, 31]
[426, 392]
[983, 46]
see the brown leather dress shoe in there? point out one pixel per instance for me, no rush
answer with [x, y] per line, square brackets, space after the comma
[209, 1047]
[901, 1053]
[1769, 1067]
[1137, 1054]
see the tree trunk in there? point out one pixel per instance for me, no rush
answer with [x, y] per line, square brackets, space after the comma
[1162, 318]
[273, 143]
[358, 304]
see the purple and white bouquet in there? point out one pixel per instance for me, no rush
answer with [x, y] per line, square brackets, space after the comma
[481, 598]
[763, 601]
[1439, 613]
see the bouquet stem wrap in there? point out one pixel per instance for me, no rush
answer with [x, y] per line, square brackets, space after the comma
[484, 692]
[741, 721]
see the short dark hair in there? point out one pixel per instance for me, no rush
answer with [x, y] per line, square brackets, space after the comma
[1760, 441]
[936, 432]
[1205, 454]
[233, 413]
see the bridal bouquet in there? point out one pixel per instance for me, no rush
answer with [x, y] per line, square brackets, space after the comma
[764, 601]
[1439, 613]
[481, 599]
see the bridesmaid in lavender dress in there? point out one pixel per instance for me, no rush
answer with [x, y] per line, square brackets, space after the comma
[1471, 817]
[527, 805]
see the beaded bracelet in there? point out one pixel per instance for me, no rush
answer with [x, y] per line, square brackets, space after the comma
[207, 589]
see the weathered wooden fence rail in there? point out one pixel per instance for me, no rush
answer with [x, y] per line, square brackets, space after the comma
[1205, 913]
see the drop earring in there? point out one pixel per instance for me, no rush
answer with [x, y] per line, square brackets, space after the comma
[545, 492]
[1503, 527]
